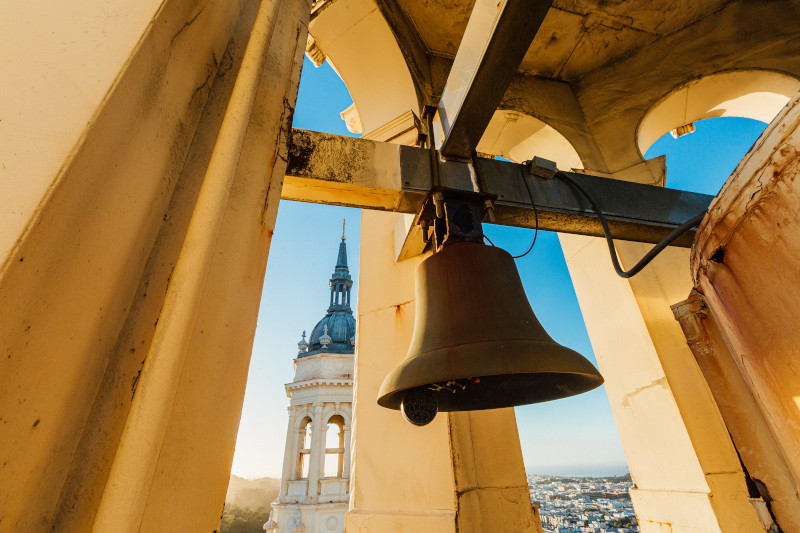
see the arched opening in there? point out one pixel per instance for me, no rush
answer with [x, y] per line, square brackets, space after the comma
[377, 75]
[702, 161]
[334, 447]
[690, 124]
[303, 449]
[755, 94]
[518, 137]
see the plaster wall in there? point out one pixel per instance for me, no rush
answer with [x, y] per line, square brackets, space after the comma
[61, 65]
[195, 459]
[321, 392]
[756, 94]
[518, 137]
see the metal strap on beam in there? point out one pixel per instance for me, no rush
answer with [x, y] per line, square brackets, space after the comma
[353, 172]
[497, 36]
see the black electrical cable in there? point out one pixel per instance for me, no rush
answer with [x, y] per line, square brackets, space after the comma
[535, 217]
[535, 213]
[649, 256]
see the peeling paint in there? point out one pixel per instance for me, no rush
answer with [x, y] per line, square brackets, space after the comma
[658, 383]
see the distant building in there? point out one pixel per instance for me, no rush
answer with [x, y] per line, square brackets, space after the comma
[316, 465]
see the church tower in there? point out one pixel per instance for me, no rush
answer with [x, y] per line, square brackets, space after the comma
[316, 464]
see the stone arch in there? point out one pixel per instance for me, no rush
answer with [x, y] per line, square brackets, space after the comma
[756, 94]
[518, 137]
[331, 411]
[303, 420]
[377, 75]
[344, 412]
[333, 464]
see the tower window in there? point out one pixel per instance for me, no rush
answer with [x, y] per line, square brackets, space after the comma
[334, 447]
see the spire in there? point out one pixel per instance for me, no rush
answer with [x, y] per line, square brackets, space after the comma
[341, 261]
[335, 333]
[341, 282]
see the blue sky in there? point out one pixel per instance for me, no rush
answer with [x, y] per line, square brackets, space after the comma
[572, 436]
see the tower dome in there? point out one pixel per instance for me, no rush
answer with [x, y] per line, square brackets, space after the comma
[334, 333]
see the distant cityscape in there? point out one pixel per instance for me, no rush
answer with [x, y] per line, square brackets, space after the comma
[584, 504]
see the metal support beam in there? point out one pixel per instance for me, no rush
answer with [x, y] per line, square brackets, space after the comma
[353, 172]
[497, 37]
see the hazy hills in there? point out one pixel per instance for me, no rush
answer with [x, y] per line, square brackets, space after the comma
[252, 493]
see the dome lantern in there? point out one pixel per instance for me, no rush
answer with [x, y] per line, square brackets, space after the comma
[337, 329]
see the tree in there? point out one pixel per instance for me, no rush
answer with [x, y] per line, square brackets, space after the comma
[237, 519]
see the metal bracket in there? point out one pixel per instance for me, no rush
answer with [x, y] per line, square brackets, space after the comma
[455, 216]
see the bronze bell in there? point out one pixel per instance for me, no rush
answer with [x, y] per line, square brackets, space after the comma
[476, 342]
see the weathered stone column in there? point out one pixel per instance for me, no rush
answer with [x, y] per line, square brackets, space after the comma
[754, 441]
[490, 483]
[129, 482]
[746, 262]
[79, 216]
[91, 260]
[289, 454]
[678, 449]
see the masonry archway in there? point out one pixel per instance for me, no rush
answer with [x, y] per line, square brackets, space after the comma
[518, 137]
[756, 94]
[377, 75]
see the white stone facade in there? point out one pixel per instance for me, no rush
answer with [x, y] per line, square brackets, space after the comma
[321, 397]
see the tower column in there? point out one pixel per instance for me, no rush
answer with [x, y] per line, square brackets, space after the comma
[346, 466]
[151, 253]
[288, 456]
[677, 446]
[317, 442]
[296, 446]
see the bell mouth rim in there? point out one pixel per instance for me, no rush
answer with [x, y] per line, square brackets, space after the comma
[393, 399]
[566, 362]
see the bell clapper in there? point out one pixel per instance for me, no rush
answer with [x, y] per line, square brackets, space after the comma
[419, 406]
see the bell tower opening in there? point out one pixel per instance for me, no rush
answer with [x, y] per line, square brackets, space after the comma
[334, 447]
